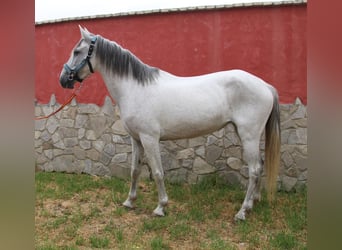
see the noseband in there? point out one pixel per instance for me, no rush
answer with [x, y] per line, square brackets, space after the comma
[73, 72]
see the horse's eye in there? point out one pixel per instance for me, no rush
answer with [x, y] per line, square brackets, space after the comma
[76, 52]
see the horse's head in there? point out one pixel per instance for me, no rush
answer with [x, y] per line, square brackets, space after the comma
[80, 63]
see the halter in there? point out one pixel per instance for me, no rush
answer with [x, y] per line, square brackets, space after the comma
[73, 72]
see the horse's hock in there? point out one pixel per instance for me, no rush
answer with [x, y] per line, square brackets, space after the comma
[86, 138]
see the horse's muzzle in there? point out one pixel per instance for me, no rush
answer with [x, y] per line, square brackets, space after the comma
[66, 82]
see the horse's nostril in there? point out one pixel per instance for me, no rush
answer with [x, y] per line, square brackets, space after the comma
[71, 77]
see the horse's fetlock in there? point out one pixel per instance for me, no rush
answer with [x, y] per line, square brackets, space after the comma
[163, 202]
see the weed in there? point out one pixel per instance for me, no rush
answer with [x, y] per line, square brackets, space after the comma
[157, 243]
[80, 241]
[284, 240]
[180, 231]
[99, 242]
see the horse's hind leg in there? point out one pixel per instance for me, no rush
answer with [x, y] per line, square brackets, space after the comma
[137, 154]
[250, 143]
[151, 147]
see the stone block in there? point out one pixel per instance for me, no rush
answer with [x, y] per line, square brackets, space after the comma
[81, 133]
[70, 142]
[41, 159]
[59, 144]
[108, 108]
[39, 124]
[220, 165]
[79, 153]
[48, 153]
[98, 145]
[120, 170]
[233, 151]
[300, 160]
[288, 183]
[200, 151]
[168, 161]
[109, 149]
[93, 154]
[213, 152]
[38, 112]
[88, 109]
[37, 134]
[302, 136]
[231, 177]
[197, 141]
[87, 166]
[202, 167]
[302, 123]
[244, 171]
[47, 145]
[182, 143]
[100, 169]
[69, 113]
[55, 137]
[62, 163]
[176, 175]
[299, 113]
[185, 154]
[233, 138]
[45, 135]
[107, 138]
[67, 132]
[118, 139]
[211, 140]
[68, 123]
[118, 128]
[292, 172]
[81, 121]
[84, 144]
[98, 124]
[91, 135]
[105, 158]
[123, 148]
[187, 163]
[119, 158]
[234, 163]
[287, 159]
[219, 133]
[57, 152]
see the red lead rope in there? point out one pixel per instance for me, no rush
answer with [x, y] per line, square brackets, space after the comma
[61, 107]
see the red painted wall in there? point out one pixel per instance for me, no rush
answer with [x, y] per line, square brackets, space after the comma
[267, 41]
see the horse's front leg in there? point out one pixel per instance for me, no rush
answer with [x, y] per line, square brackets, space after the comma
[137, 153]
[152, 151]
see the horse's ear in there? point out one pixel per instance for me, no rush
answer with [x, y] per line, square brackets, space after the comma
[83, 32]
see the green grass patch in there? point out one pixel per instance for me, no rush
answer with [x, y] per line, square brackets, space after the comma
[77, 211]
[99, 242]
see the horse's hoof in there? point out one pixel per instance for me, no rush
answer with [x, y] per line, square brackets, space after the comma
[240, 216]
[128, 203]
[159, 211]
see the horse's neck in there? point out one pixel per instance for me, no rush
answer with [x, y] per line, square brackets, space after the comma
[118, 87]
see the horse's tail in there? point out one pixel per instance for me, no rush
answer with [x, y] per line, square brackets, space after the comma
[272, 147]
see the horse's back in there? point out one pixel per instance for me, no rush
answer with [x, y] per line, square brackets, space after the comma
[192, 106]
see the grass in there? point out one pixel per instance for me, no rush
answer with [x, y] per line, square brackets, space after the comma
[85, 212]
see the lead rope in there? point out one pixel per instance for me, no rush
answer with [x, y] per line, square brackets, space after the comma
[61, 107]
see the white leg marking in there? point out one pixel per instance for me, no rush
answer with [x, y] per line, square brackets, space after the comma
[137, 152]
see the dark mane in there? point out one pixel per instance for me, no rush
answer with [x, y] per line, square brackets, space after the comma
[123, 63]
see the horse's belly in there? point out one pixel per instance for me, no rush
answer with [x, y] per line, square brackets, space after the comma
[191, 127]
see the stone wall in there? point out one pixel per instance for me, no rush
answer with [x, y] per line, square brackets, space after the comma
[86, 138]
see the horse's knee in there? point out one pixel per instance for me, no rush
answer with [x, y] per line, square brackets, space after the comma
[158, 175]
[135, 172]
